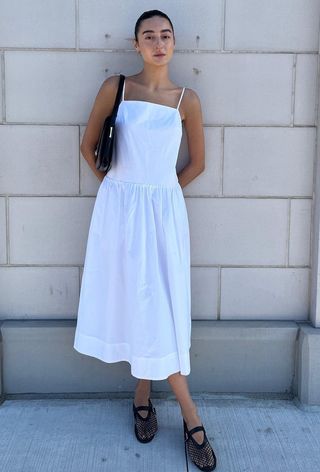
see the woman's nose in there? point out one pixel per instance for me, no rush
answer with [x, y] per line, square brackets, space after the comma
[158, 41]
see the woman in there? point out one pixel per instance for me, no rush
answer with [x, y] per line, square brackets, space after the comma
[135, 292]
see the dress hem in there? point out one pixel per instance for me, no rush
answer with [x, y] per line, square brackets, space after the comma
[141, 367]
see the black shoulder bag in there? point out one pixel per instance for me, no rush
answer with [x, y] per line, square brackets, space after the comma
[105, 143]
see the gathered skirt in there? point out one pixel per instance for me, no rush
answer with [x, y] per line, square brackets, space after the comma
[135, 302]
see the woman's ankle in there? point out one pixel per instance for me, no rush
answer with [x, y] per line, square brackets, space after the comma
[142, 391]
[190, 415]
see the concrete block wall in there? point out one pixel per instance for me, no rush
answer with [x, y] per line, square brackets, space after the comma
[254, 66]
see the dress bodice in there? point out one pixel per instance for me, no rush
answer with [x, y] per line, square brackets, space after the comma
[147, 141]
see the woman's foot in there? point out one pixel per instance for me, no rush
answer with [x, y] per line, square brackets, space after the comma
[202, 455]
[145, 427]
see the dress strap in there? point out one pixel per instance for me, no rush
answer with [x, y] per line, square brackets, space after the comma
[124, 86]
[181, 97]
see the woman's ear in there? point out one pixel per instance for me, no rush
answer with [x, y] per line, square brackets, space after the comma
[136, 45]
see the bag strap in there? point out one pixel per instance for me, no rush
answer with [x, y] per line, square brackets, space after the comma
[117, 100]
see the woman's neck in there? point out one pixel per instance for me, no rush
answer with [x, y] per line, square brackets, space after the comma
[154, 78]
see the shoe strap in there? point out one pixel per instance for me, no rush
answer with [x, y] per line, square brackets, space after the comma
[147, 408]
[195, 429]
[138, 408]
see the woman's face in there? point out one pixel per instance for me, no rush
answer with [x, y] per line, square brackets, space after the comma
[155, 40]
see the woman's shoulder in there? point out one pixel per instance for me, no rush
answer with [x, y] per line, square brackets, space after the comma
[190, 96]
[110, 84]
[107, 92]
[190, 103]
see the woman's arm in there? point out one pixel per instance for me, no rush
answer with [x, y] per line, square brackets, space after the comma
[193, 124]
[102, 107]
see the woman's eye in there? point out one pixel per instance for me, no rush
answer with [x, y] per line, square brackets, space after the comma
[165, 37]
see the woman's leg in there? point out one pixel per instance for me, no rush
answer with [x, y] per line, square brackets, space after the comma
[142, 393]
[188, 408]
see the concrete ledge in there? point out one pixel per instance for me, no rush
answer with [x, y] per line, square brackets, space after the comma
[242, 356]
[308, 365]
[226, 356]
[39, 358]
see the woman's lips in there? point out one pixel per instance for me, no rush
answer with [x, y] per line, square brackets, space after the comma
[159, 55]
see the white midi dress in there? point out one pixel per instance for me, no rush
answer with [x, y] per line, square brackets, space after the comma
[135, 301]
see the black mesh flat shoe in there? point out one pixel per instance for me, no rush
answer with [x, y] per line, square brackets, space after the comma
[145, 428]
[202, 455]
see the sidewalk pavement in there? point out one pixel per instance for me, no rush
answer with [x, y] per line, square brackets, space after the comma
[249, 433]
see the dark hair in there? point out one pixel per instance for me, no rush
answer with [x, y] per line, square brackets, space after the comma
[149, 14]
